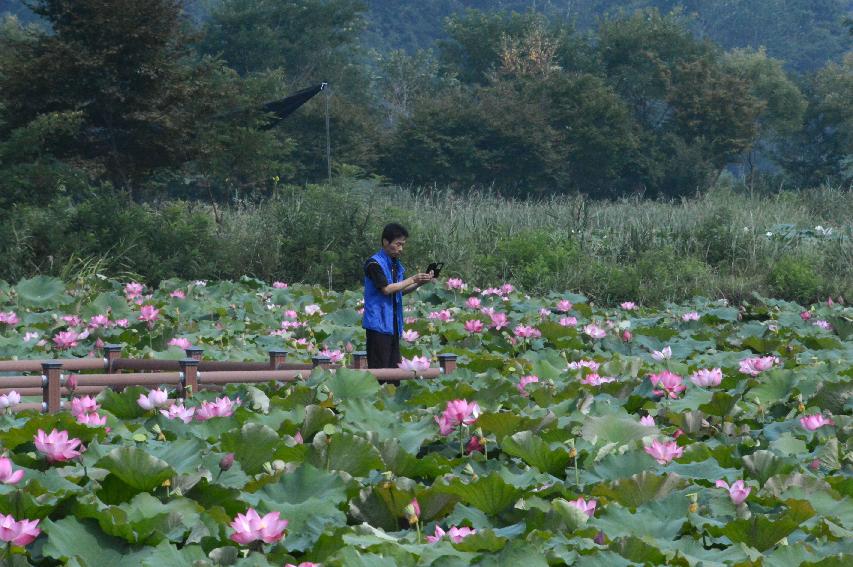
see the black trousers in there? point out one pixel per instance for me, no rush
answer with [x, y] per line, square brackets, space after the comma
[383, 351]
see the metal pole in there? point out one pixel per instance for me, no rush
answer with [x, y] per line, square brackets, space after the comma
[328, 136]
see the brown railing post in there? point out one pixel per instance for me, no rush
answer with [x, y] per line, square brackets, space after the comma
[189, 377]
[196, 353]
[447, 363]
[359, 360]
[321, 361]
[111, 354]
[51, 387]
[277, 358]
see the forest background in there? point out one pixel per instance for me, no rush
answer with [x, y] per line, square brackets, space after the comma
[642, 150]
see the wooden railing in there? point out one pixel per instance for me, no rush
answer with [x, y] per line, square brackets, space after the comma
[188, 375]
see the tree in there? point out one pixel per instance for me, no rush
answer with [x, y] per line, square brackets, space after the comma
[126, 67]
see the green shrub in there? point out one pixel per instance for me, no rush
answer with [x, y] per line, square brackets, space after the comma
[795, 278]
[534, 260]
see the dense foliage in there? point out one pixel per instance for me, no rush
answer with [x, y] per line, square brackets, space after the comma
[572, 434]
[528, 102]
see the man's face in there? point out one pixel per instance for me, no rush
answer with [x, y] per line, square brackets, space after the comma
[395, 247]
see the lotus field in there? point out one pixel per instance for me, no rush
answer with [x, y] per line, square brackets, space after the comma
[571, 434]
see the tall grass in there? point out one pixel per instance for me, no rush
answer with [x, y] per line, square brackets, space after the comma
[714, 244]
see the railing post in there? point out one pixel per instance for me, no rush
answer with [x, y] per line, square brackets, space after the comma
[196, 353]
[447, 363]
[51, 387]
[322, 361]
[189, 378]
[278, 357]
[111, 354]
[359, 360]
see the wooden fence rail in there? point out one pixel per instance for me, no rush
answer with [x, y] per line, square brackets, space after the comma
[187, 375]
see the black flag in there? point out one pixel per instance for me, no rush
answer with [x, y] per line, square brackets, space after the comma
[283, 108]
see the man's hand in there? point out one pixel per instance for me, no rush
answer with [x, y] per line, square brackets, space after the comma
[422, 278]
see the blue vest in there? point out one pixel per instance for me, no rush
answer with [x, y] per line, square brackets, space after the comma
[378, 307]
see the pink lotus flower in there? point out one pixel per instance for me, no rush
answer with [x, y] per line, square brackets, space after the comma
[72, 320]
[416, 364]
[544, 313]
[707, 378]
[474, 326]
[65, 340]
[334, 356]
[122, 323]
[149, 314]
[690, 316]
[222, 407]
[627, 336]
[83, 405]
[13, 398]
[487, 311]
[459, 412]
[413, 511]
[98, 321]
[456, 283]
[825, 325]
[596, 380]
[444, 315]
[664, 452]
[628, 305]
[813, 422]
[298, 438]
[313, 309]
[155, 399]
[524, 381]
[9, 318]
[91, 419]
[473, 302]
[30, 336]
[738, 491]
[291, 314]
[181, 342]
[56, 446]
[756, 365]
[587, 507]
[251, 527]
[526, 332]
[568, 321]
[6, 474]
[499, 320]
[564, 306]
[664, 354]
[594, 331]
[455, 534]
[671, 384]
[178, 294]
[133, 290]
[444, 425]
[507, 289]
[805, 315]
[579, 364]
[21, 533]
[475, 445]
[178, 411]
[279, 285]
[410, 336]
[647, 420]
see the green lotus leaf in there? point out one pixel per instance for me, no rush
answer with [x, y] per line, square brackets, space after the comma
[490, 494]
[252, 445]
[81, 542]
[344, 452]
[136, 468]
[572, 516]
[764, 464]
[42, 291]
[535, 452]
[168, 554]
[763, 533]
[348, 384]
[640, 488]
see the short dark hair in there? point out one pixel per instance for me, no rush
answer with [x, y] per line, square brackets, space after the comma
[393, 231]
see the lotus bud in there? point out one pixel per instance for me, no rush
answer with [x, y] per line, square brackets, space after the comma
[412, 511]
[627, 336]
[71, 382]
[226, 462]
[599, 538]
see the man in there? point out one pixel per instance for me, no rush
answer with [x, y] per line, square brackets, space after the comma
[384, 287]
